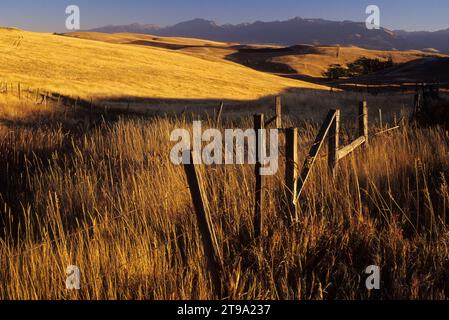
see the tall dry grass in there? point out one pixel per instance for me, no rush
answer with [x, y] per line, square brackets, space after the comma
[109, 201]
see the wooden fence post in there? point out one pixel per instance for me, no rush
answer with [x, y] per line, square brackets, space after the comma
[19, 91]
[417, 102]
[291, 173]
[380, 119]
[347, 150]
[314, 150]
[211, 248]
[278, 112]
[334, 141]
[218, 119]
[363, 122]
[259, 194]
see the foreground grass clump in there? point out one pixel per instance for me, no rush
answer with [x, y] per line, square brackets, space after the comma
[109, 200]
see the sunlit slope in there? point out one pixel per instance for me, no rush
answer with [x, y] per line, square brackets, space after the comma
[95, 69]
[315, 60]
[137, 38]
[303, 60]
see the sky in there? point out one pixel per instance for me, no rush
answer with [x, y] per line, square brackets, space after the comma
[50, 16]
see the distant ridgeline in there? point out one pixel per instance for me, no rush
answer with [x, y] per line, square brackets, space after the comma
[297, 31]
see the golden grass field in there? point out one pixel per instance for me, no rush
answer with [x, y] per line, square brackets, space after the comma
[109, 201]
[106, 197]
[306, 60]
[98, 70]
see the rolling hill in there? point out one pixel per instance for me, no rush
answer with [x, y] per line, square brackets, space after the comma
[93, 69]
[302, 60]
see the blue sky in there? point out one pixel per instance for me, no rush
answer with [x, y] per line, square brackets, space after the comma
[49, 15]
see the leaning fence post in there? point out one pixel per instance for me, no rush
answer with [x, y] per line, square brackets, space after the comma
[291, 173]
[258, 218]
[218, 119]
[278, 112]
[211, 249]
[334, 139]
[313, 153]
[363, 121]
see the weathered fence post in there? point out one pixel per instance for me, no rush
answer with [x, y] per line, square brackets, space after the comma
[334, 141]
[417, 102]
[313, 153]
[19, 93]
[291, 173]
[363, 121]
[218, 119]
[211, 248]
[380, 119]
[278, 112]
[259, 194]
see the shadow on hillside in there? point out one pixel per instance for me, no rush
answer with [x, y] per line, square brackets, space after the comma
[171, 46]
[129, 106]
[261, 59]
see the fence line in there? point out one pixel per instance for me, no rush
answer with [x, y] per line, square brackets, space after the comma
[295, 185]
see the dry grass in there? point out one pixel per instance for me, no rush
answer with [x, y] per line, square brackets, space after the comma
[310, 61]
[110, 201]
[92, 69]
[145, 39]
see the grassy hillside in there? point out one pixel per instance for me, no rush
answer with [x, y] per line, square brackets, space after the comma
[142, 39]
[96, 69]
[315, 62]
[304, 60]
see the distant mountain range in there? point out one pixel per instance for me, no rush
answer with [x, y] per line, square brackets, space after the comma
[296, 31]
